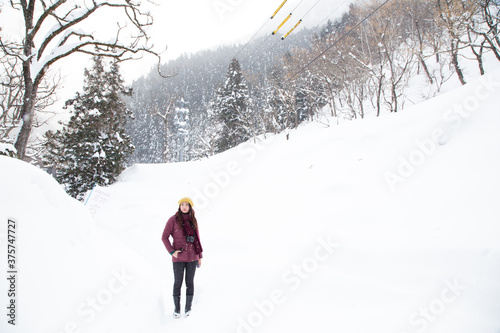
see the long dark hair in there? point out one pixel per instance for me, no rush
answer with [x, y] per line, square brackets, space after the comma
[192, 217]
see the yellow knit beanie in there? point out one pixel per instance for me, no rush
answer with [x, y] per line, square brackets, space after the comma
[186, 199]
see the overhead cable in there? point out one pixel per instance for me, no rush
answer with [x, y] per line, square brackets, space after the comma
[275, 12]
[341, 38]
[283, 37]
[299, 22]
[279, 27]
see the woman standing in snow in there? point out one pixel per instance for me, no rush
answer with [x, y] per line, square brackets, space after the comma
[186, 251]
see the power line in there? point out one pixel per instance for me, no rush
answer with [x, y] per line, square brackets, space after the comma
[299, 22]
[273, 33]
[277, 10]
[297, 5]
[282, 23]
[287, 18]
[250, 39]
[310, 9]
[338, 40]
[283, 37]
[333, 11]
[256, 48]
[265, 22]
[291, 30]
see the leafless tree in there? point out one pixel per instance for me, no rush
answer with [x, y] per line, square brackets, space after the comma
[164, 113]
[11, 97]
[483, 29]
[56, 29]
[490, 10]
[454, 16]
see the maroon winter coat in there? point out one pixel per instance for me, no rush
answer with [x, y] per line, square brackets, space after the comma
[174, 229]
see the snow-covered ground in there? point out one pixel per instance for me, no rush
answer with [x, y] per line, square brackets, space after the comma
[386, 225]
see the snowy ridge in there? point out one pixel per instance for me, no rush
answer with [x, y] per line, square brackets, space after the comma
[380, 225]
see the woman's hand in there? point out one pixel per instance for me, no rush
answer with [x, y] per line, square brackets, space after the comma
[199, 263]
[176, 253]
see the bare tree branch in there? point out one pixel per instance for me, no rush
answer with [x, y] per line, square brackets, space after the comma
[58, 27]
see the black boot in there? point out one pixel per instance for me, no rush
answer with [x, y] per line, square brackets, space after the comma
[189, 302]
[177, 304]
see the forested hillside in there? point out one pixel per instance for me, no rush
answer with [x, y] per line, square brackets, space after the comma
[356, 66]
[191, 87]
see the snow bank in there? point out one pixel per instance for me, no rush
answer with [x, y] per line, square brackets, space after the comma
[69, 276]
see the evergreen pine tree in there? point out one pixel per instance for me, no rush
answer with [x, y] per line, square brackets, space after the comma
[179, 143]
[231, 110]
[93, 147]
[279, 99]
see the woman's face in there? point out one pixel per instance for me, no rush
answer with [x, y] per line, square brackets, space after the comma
[184, 207]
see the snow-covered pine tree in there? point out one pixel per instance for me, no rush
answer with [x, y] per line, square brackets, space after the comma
[93, 147]
[178, 141]
[310, 97]
[231, 110]
[279, 100]
[303, 108]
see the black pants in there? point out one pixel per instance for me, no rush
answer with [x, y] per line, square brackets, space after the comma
[179, 268]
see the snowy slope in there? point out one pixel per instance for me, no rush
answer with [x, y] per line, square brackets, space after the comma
[379, 225]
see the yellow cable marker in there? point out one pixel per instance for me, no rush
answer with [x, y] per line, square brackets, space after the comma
[277, 10]
[284, 21]
[289, 32]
